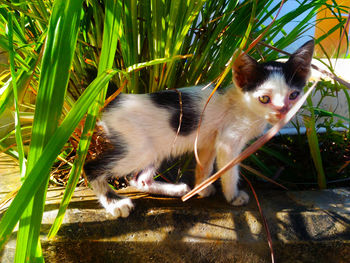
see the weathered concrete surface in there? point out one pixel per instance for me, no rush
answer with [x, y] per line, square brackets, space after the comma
[309, 226]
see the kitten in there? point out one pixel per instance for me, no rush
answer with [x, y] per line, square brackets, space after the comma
[146, 129]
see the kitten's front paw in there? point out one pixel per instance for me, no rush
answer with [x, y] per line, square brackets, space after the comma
[241, 199]
[181, 189]
[210, 190]
[119, 208]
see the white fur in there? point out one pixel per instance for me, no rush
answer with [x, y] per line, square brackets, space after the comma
[117, 208]
[145, 183]
[229, 122]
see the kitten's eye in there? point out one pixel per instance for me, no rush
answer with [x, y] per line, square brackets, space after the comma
[264, 99]
[294, 95]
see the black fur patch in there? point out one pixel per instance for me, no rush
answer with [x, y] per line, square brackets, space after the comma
[292, 79]
[170, 100]
[260, 77]
[111, 195]
[101, 165]
[116, 102]
[248, 73]
[264, 71]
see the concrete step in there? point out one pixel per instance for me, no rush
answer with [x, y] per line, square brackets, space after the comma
[306, 226]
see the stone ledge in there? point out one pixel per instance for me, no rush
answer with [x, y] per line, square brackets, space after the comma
[304, 225]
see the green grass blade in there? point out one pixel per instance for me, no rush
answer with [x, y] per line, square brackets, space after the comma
[22, 79]
[57, 59]
[347, 96]
[4, 44]
[314, 146]
[109, 45]
[18, 133]
[325, 113]
[11, 152]
[278, 155]
[74, 174]
[191, 14]
[40, 171]
[265, 169]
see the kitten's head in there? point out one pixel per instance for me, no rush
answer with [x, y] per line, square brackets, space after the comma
[272, 88]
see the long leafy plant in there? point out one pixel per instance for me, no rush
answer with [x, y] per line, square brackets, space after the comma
[63, 54]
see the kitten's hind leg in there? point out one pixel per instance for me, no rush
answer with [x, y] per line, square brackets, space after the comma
[116, 205]
[145, 183]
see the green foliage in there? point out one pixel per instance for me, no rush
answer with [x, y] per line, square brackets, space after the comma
[311, 134]
[61, 59]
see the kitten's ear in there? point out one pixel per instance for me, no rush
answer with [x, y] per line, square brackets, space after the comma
[299, 62]
[247, 72]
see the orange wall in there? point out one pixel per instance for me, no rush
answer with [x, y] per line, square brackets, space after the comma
[331, 43]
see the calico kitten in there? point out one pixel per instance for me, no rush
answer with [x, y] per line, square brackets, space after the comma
[146, 129]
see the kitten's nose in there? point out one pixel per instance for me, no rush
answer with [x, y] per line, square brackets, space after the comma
[282, 110]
